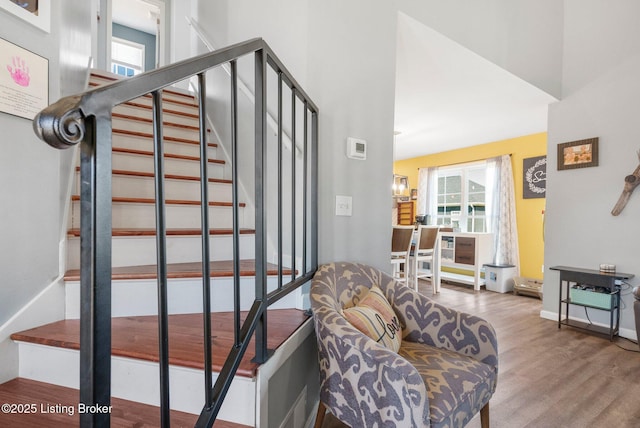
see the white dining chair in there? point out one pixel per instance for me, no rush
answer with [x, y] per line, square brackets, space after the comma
[423, 252]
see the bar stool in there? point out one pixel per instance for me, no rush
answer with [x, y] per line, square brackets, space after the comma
[400, 248]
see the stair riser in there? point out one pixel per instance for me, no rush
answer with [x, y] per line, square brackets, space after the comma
[129, 162]
[147, 128]
[170, 147]
[141, 250]
[144, 113]
[169, 104]
[135, 215]
[144, 187]
[137, 380]
[139, 297]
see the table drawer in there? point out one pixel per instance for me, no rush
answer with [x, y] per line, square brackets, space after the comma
[465, 251]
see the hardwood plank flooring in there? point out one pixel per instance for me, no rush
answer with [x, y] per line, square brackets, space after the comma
[137, 337]
[56, 406]
[548, 377]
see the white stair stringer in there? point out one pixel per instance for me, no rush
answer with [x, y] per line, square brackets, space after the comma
[138, 297]
[141, 250]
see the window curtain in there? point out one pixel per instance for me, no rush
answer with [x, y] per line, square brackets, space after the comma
[501, 211]
[428, 193]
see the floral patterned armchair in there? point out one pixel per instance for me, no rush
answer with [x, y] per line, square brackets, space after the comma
[444, 373]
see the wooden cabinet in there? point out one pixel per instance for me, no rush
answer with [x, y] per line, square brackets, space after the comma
[406, 213]
[465, 252]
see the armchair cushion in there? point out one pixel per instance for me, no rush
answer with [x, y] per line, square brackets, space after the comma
[374, 316]
[457, 386]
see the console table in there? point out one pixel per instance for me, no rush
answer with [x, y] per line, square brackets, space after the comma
[592, 278]
[468, 251]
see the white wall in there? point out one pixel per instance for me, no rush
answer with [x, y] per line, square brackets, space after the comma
[33, 192]
[523, 37]
[601, 90]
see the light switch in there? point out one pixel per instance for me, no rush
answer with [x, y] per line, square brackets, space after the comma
[343, 205]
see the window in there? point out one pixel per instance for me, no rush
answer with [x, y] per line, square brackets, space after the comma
[461, 197]
[127, 58]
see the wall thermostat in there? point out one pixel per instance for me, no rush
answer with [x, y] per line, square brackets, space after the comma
[356, 148]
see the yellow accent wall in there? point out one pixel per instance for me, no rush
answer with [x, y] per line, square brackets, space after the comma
[528, 211]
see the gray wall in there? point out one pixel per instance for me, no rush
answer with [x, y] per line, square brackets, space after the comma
[350, 76]
[601, 90]
[343, 54]
[146, 39]
[34, 175]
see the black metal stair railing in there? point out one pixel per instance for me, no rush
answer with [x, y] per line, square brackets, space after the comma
[85, 119]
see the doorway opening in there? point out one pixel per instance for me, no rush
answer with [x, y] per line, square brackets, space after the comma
[130, 36]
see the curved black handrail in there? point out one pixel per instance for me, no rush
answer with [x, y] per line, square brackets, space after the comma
[61, 124]
[86, 119]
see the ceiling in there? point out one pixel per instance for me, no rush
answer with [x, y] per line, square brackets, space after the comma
[135, 14]
[448, 97]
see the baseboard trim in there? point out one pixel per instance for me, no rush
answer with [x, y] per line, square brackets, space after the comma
[624, 332]
[46, 307]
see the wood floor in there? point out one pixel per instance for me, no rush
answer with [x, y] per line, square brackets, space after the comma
[549, 378]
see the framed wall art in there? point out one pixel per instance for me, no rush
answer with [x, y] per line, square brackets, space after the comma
[578, 154]
[534, 177]
[24, 81]
[35, 12]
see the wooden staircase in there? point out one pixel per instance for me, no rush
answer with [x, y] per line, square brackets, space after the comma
[49, 354]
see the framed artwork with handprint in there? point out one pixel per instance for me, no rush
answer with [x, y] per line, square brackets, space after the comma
[24, 81]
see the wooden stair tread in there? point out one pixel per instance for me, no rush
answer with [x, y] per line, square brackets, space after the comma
[165, 137]
[137, 337]
[101, 74]
[121, 199]
[166, 155]
[170, 232]
[190, 103]
[218, 269]
[146, 174]
[124, 413]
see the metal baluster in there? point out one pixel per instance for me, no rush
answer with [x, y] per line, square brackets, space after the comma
[95, 262]
[204, 214]
[279, 179]
[161, 255]
[260, 186]
[305, 183]
[234, 191]
[293, 183]
[314, 190]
